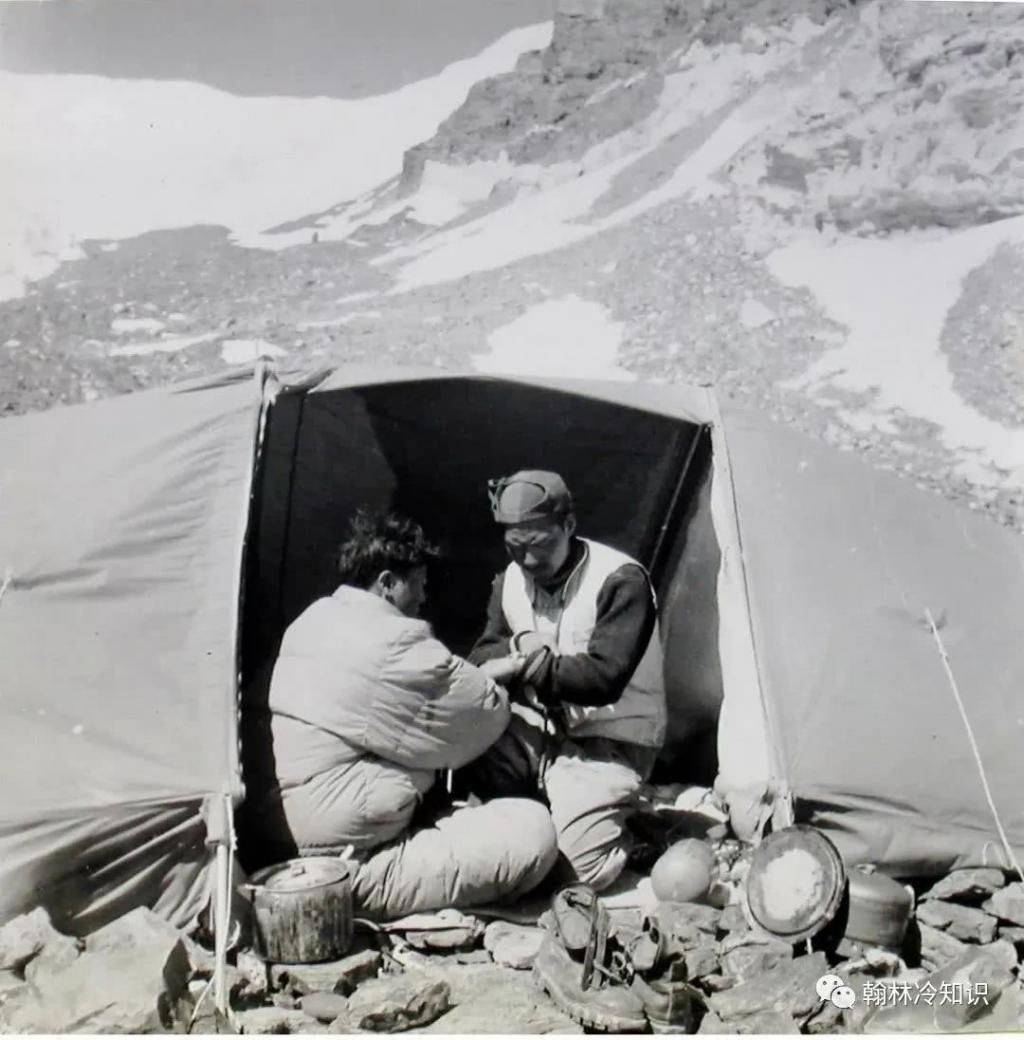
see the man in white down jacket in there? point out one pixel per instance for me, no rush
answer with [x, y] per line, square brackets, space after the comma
[366, 708]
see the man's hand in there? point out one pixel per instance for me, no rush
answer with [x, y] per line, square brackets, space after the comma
[503, 669]
[528, 642]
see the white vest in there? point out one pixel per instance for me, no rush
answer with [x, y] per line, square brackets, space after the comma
[567, 618]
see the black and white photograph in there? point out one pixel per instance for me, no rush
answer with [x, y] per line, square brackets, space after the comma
[511, 517]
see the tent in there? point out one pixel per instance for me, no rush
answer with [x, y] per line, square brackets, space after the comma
[154, 546]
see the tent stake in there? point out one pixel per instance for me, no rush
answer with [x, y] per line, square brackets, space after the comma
[974, 744]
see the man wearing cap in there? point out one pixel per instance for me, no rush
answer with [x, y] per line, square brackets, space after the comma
[572, 630]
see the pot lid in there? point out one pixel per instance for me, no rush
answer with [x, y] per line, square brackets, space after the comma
[300, 874]
[795, 884]
[880, 890]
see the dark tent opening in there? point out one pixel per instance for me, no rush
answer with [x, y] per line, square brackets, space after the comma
[641, 483]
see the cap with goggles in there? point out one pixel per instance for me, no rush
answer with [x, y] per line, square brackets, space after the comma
[530, 494]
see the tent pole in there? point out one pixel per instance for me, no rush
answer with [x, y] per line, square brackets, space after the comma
[668, 525]
[224, 869]
[220, 933]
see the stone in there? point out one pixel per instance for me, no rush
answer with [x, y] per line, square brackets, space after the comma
[56, 956]
[138, 929]
[745, 955]
[962, 922]
[872, 961]
[465, 934]
[937, 947]
[512, 945]
[9, 981]
[787, 988]
[971, 886]
[253, 979]
[270, 1021]
[827, 1019]
[490, 999]
[717, 983]
[129, 981]
[395, 1003]
[324, 1007]
[24, 937]
[990, 966]
[684, 917]
[766, 1023]
[701, 961]
[1008, 904]
[334, 976]
[712, 1025]
[732, 919]
[1013, 934]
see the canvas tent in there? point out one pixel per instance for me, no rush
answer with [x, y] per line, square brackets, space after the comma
[153, 547]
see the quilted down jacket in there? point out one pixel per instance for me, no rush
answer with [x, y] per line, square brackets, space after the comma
[366, 706]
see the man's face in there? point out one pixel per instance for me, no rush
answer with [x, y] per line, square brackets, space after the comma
[540, 547]
[409, 592]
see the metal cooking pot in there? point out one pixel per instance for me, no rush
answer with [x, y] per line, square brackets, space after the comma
[879, 909]
[302, 910]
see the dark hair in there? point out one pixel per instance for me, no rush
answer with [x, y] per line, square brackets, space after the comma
[382, 542]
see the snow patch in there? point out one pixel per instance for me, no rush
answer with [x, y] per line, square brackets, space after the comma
[167, 345]
[345, 319]
[570, 338]
[87, 157]
[893, 296]
[754, 314]
[245, 351]
[128, 325]
[553, 203]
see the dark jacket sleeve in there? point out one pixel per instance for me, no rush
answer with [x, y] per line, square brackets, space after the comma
[626, 617]
[494, 641]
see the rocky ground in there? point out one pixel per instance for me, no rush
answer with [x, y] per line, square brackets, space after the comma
[916, 124]
[957, 967]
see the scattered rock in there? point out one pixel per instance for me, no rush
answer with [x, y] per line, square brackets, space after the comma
[989, 967]
[717, 983]
[324, 1007]
[938, 947]
[1014, 934]
[334, 976]
[254, 977]
[745, 955]
[874, 962]
[967, 886]
[490, 999]
[269, 1021]
[137, 930]
[129, 980]
[464, 937]
[396, 1003]
[56, 956]
[712, 1025]
[24, 938]
[962, 922]
[827, 1019]
[732, 919]
[511, 945]
[787, 988]
[1008, 904]
[675, 915]
[701, 961]
[9, 981]
[767, 1023]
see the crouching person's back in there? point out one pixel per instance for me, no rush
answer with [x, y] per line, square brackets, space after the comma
[367, 707]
